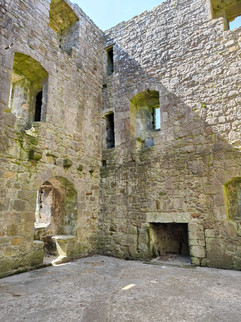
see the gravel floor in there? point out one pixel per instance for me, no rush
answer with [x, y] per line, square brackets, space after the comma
[107, 289]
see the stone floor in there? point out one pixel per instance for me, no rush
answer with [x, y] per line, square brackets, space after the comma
[107, 289]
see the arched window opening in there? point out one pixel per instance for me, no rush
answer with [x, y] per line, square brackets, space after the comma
[28, 92]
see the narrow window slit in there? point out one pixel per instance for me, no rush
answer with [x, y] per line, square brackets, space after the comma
[110, 61]
[156, 121]
[110, 131]
[38, 106]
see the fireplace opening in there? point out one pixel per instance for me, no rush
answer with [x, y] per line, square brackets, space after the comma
[169, 239]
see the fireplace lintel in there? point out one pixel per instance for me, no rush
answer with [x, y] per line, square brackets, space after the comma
[168, 217]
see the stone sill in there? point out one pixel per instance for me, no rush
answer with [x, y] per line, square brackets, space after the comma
[64, 237]
[41, 226]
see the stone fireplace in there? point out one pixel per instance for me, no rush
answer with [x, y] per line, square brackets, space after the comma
[169, 238]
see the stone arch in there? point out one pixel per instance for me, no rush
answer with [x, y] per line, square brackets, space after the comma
[56, 209]
[153, 85]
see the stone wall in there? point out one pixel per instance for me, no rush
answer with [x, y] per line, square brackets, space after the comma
[179, 50]
[187, 172]
[66, 144]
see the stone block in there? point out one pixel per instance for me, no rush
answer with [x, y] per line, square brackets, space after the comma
[197, 251]
[229, 229]
[196, 242]
[10, 251]
[4, 205]
[217, 255]
[65, 244]
[196, 235]
[27, 195]
[195, 227]
[195, 261]
[17, 240]
[37, 254]
[204, 262]
[19, 205]
[211, 233]
[12, 230]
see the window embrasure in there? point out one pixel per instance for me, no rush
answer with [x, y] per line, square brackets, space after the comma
[232, 191]
[28, 92]
[145, 114]
[229, 10]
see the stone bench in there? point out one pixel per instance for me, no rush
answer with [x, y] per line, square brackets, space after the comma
[64, 244]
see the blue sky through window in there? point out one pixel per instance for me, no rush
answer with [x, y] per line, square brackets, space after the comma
[157, 118]
[235, 23]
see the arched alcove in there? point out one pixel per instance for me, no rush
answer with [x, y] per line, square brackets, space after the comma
[56, 210]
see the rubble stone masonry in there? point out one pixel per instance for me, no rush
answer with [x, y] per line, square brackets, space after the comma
[114, 179]
[67, 144]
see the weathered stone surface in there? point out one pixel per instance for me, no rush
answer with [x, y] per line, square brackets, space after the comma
[32, 151]
[174, 50]
[112, 181]
[197, 251]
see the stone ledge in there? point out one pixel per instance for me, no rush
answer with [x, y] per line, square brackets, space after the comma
[38, 243]
[64, 237]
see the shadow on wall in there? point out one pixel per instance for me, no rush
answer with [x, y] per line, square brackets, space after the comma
[181, 172]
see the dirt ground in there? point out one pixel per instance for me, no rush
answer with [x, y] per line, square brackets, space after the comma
[106, 289]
